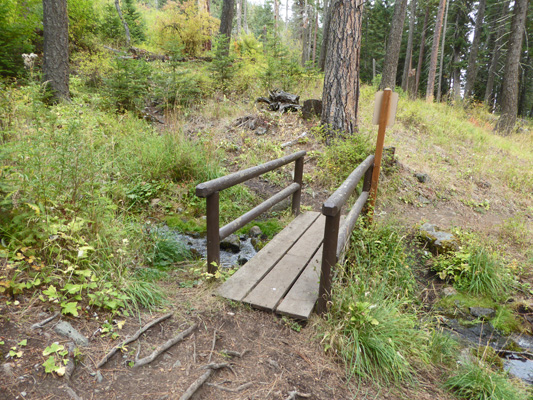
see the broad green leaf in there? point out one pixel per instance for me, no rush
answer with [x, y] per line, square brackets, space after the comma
[53, 348]
[51, 292]
[50, 365]
[70, 308]
[23, 342]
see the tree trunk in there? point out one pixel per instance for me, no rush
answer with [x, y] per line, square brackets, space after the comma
[56, 66]
[325, 35]
[471, 70]
[315, 35]
[390, 64]
[276, 14]
[526, 63]
[340, 96]
[305, 35]
[495, 56]
[510, 77]
[286, 17]
[239, 17]
[245, 17]
[439, 91]
[126, 28]
[226, 21]
[421, 54]
[430, 90]
[408, 64]
[456, 73]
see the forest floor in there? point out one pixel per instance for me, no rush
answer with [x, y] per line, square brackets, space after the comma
[278, 356]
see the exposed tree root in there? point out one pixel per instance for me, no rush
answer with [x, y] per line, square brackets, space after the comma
[168, 344]
[202, 379]
[294, 394]
[44, 322]
[232, 390]
[131, 339]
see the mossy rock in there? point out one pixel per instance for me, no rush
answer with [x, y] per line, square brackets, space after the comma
[438, 242]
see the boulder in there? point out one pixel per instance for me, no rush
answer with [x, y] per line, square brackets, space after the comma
[63, 328]
[438, 242]
[232, 244]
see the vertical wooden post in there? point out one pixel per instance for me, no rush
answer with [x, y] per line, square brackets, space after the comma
[383, 120]
[329, 259]
[367, 182]
[213, 235]
[298, 178]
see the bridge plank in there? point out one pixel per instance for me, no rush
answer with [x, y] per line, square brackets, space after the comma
[269, 292]
[247, 276]
[300, 301]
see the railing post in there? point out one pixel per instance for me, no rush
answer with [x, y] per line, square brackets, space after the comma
[298, 178]
[367, 183]
[213, 235]
[329, 259]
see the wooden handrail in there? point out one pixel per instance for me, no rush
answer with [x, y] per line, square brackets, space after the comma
[210, 190]
[335, 243]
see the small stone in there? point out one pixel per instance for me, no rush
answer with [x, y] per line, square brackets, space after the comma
[422, 178]
[242, 260]
[23, 394]
[231, 314]
[167, 356]
[99, 377]
[231, 243]
[261, 131]
[482, 312]
[155, 202]
[255, 231]
[65, 329]
[177, 364]
[423, 200]
[8, 369]
[449, 291]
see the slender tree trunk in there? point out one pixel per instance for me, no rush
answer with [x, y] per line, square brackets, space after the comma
[495, 56]
[430, 90]
[325, 35]
[390, 64]
[126, 28]
[471, 70]
[526, 63]
[245, 16]
[408, 64]
[340, 97]
[226, 21]
[510, 78]
[315, 35]
[276, 14]
[456, 73]
[286, 17]
[56, 66]
[421, 54]
[439, 91]
[305, 35]
[239, 17]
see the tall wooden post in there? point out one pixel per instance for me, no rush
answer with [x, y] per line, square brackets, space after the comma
[213, 235]
[383, 121]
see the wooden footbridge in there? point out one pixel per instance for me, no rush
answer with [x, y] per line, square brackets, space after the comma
[293, 270]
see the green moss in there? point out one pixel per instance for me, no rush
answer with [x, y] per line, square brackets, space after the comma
[269, 227]
[186, 225]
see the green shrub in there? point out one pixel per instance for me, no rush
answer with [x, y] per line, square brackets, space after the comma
[473, 381]
[224, 66]
[129, 83]
[166, 250]
[475, 270]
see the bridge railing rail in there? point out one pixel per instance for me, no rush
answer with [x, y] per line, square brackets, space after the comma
[337, 237]
[210, 191]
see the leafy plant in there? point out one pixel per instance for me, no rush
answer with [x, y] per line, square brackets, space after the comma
[129, 83]
[57, 359]
[224, 66]
[474, 381]
[475, 270]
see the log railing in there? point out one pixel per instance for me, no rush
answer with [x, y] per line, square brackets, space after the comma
[337, 237]
[210, 190]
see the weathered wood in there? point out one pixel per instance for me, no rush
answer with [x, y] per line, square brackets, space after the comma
[347, 227]
[238, 223]
[300, 301]
[213, 223]
[245, 279]
[206, 188]
[329, 259]
[334, 203]
[268, 293]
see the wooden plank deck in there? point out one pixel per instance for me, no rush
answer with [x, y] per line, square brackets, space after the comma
[284, 276]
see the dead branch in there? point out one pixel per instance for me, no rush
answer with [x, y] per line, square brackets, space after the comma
[165, 346]
[233, 353]
[523, 354]
[194, 350]
[232, 390]
[294, 394]
[44, 322]
[131, 339]
[202, 379]
[290, 143]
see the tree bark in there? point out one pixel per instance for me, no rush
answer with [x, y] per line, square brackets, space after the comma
[456, 69]
[510, 77]
[408, 64]
[56, 65]
[305, 35]
[441, 66]
[471, 70]
[126, 28]
[276, 14]
[239, 17]
[495, 56]
[226, 21]
[430, 90]
[340, 96]
[245, 16]
[526, 63]
[315, 34]
[390, 64]
[325, 35]
[422, 48]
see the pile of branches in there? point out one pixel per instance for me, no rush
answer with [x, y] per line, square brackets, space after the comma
[281, 101]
